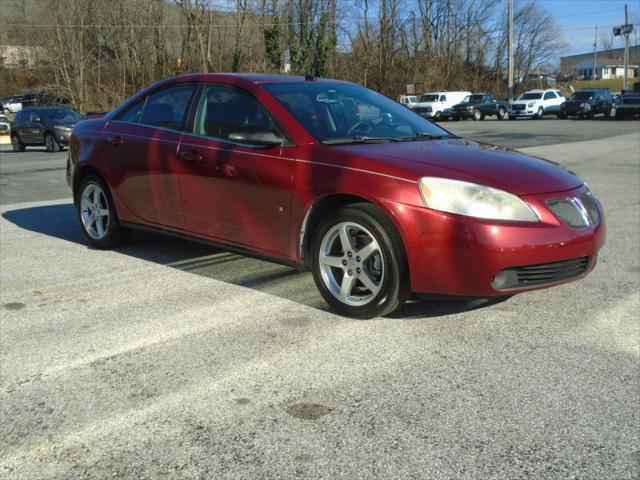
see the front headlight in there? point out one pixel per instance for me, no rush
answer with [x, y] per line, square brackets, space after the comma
[530, 104]
[64, 128]
[586, 106]
[473, 200]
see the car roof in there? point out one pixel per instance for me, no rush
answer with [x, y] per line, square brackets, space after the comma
[251, 77]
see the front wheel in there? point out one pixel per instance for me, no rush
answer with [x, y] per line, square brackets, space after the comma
[51, 144]
[540, 114]
[16, 143]
[438, 116]
[359, 264]
[98, 216]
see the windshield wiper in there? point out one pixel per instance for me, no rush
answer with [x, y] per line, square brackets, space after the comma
[358, 139]
[425, 136]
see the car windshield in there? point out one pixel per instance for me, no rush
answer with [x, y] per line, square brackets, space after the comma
[530, 96]
[66, 115]
[345, 113]
[582, 96]
[473, 98]
[429, 98]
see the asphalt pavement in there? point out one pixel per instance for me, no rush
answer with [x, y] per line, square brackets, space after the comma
[168, 359]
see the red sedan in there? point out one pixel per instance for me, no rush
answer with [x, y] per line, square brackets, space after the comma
[330, 176]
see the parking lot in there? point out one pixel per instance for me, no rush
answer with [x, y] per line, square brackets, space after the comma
[170, 359]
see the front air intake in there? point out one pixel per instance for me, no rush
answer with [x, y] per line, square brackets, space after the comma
[570, 211]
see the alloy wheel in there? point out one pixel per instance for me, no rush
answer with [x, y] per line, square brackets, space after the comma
[94, 211]
[351, 263]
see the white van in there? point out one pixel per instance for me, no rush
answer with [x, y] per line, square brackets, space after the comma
[432, 104]
[407, 100]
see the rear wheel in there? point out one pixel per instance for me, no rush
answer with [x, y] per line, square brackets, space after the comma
[359, 264]
[16, 143]
[98, 216]
[477, 115]
[501, 113]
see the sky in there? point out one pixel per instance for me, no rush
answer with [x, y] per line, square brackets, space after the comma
[578, 18]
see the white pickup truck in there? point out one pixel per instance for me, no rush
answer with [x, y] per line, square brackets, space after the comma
[432, 104]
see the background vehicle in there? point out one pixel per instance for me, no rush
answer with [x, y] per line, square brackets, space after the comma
[286, 167]
[433, 104]
[478, 106]
[629, 102]
[12, 104]
[537, 103]
[407, 100]
[5, 127]
[48, 126]
[587, 103]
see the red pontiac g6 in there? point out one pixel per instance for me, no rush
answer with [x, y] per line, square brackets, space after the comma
[327, 175]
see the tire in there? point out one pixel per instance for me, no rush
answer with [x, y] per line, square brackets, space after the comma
[360, 287]
[17, 144]
[540, 114]
[477, 115]
[51, 143]
[562, 116]
[99, 231]
[512, 117]
[619, 115]
[455, 118]
[501, 114]
[437, 116]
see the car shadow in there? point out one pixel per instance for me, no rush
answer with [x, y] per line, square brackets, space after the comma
[59, 221]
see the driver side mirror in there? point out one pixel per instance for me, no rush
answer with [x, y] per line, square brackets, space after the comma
[264, 138]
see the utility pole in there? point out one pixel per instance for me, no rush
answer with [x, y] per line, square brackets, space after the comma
[627, 31]
[595, 53]
[510, 74]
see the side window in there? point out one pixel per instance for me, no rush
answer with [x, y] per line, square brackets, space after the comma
[549, 95]
[133, 114]
[168, 107]
[443, 98]
[224, 110]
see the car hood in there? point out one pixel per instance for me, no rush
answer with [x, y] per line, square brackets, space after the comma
[424, 104]
[524, 102]
[578, 102]
[464, 160]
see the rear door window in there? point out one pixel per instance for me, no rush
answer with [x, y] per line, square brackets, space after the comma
[168, 107]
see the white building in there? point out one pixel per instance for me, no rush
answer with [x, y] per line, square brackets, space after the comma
[605, 69]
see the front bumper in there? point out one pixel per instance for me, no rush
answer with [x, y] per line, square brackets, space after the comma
[455, 255]
[462, 113]
[62, 136]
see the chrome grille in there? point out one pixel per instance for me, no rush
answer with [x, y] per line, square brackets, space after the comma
[423, 109]
[570, 211]
[518, 107]
[541, 274]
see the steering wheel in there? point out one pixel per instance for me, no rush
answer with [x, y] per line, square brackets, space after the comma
[361, 124]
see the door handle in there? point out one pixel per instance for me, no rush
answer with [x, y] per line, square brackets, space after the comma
[117, 140]
[190, 156]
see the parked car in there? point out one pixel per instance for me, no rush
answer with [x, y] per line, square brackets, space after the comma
[48, 126]
[537, 103]
[12, 104]
[5, 127]
[431, 105]
[587, 103]
[407, 100]
[478, 106]
[629, 102]
[376, 208]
